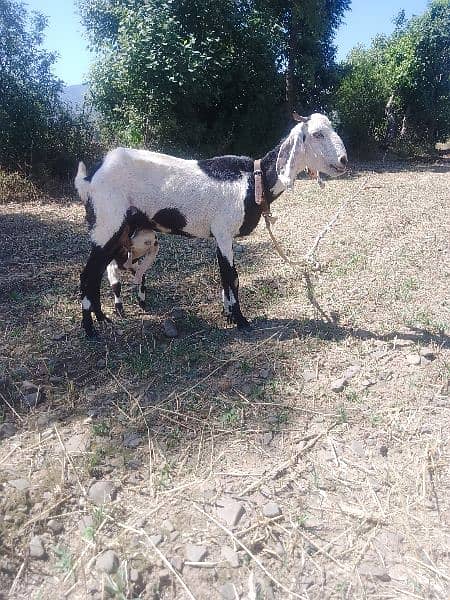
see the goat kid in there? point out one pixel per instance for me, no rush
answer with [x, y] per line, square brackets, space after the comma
[198, 198]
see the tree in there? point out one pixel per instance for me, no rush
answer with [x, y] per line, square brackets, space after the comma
[37, 133]
[397, 92]
[201, 76]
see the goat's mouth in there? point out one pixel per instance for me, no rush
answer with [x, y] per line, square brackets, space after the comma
[337, 170]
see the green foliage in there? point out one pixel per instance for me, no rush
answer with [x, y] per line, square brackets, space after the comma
[201, 76]
[37, 133]
[405, 75]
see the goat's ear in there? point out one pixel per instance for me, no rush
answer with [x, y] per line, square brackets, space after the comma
[298, 118]
[288, 158]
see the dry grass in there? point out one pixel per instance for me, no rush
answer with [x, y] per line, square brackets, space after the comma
[361, 475]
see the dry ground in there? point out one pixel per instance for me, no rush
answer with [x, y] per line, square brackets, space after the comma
[359, 477]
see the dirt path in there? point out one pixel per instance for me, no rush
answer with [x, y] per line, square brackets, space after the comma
[307, 459]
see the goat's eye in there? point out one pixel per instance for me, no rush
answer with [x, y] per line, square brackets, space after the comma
[318, 135]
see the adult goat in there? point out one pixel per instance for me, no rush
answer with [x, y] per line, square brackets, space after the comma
[198, 198]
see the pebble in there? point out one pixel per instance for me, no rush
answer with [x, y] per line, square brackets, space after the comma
[20, 484]
[374, 571]
[102, 491]
[338, 385]
[230, 555]
[55, 526]
[169, 329]
[107, 562]
[231, 511]
[358, 448]
[413, 359]
[7, 430]
[101, 363]
[33, 399]
[135, 576]
[271, 510]
[308, 375]
[131, 439]
[351, 372]
[157, 538]
[168, 526]
[227, 591]
[194, 553]
[37, 549]
[177, 563]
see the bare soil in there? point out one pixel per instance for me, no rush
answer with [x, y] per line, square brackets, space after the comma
[325, 430]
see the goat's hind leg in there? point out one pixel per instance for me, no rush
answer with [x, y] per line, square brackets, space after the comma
[143, 266]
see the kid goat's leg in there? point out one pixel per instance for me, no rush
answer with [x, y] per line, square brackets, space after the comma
[113, 273]
[143, 267]
[230, 282]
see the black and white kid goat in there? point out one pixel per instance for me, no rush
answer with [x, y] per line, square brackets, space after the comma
[138, 189]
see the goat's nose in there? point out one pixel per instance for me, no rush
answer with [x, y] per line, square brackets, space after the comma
[343, 160]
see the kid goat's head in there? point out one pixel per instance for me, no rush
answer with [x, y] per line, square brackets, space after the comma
[311, 144]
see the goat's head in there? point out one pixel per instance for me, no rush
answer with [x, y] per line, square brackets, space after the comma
[311, 144]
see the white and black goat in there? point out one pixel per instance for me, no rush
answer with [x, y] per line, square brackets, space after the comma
[138, 189]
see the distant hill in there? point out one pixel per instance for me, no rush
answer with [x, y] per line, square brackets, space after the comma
[74, 95]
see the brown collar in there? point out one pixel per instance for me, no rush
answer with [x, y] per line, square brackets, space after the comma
[260, 196]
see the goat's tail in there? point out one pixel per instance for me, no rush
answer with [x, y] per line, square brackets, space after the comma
[81, 185]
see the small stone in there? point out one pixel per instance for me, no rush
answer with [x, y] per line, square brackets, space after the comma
[55, 526]
[230, 555]
[227, 591]
[107, 562]
[157, 538]
[338, 385]
[279, 549]
[358, 448]
[28, 386]
[7, 430]
[101, 363]
[384, 451]
[20, 484]
[266, 491]
[102, 491]
[33, 399]
[131, 439]
[37, 549]
[374, 572]
[58, 336]
[238, 248]
[44, 421]
[231, 511]
[351, 372]
[177, 563]
[308, 375]
[168, 526]
[264, 373]
[194, 553]
[413, 359]
[169, 329]
[266, 438]
[428, 354]
[271, 510]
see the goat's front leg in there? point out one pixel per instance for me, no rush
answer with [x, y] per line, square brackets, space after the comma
[113, 273]
[90, 281]
[142, 267]
[230, 283]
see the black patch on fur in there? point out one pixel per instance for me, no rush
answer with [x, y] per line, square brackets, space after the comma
[226, 168]
[269, 172]
[93, 170]
[170, 218]
[90, 214]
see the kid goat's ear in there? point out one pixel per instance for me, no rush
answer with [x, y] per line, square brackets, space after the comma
[298, 118]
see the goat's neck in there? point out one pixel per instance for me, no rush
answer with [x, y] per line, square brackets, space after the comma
[272, 184]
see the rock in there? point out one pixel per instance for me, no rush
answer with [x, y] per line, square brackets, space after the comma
[177, 563]
[228, 591]
[308, 375]
[194, 553]
[264, 373]
[33, 399]
[373, 571]
[44, 421]
[169, 329]
[76, 444]
[271, 510]
[266, 438]
[102, 491]
[20, 484]
[168, 526]
[55, 526]
[131, 439]
[231, 511]
[428, 353]
[338, 385]
[107, 562]
[413, 359]
[351, 372]
[28, 386]
[157, 538]
[36, 547]
[230, 555]
[7, 430]
[101, 363]
[135, 576]
[358, 448]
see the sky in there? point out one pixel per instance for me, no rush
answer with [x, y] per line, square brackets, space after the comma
[65, 32]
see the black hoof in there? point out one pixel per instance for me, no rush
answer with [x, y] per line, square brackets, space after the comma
[102, 318]
[244, 324]
[119, 310]
[92, 335]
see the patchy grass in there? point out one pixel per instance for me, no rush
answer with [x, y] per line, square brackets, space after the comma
[360, 476]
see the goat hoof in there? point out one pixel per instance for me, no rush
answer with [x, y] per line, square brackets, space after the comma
[92, 335]
[102, 318]
[244, 324]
